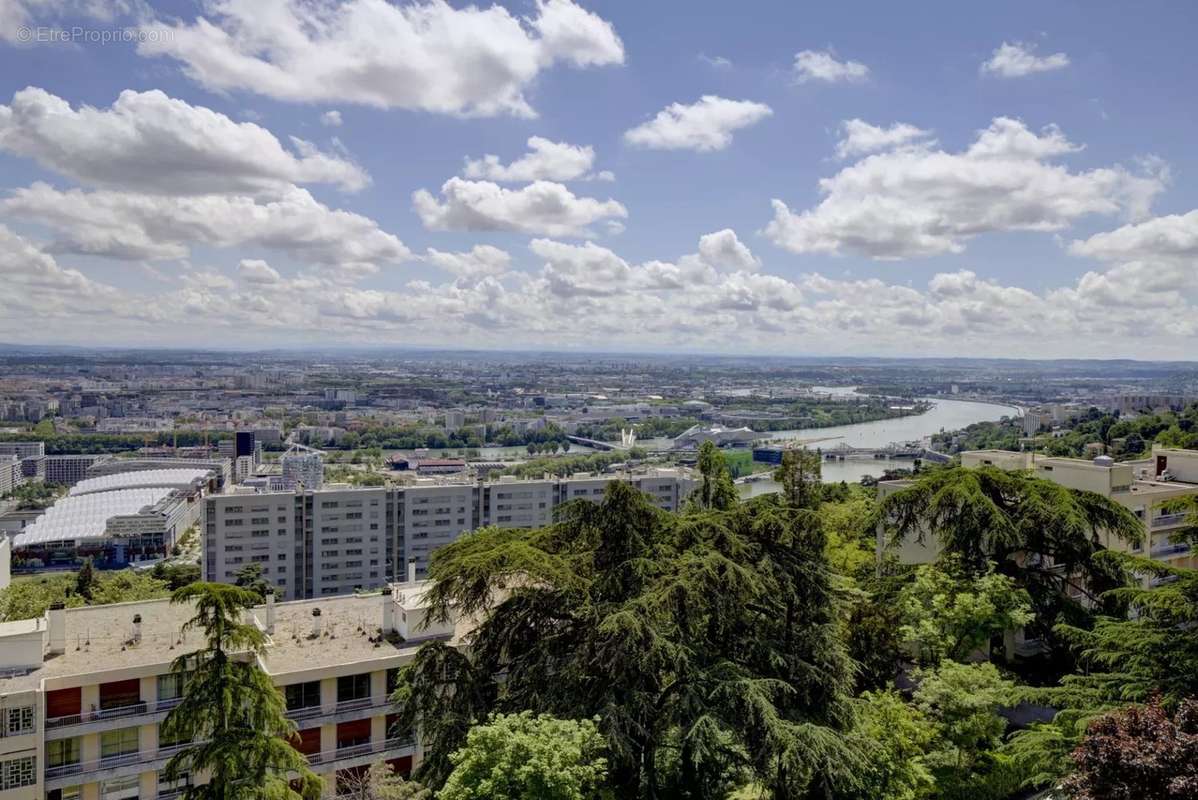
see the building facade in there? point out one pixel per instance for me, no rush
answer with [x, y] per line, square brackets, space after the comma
[84, 691]
[337, 540]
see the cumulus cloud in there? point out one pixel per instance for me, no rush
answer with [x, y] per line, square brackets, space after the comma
[331, 119]
[702, 126]
[149, 142]
[859, 137]
[822, 65]
[426, 56]
[541, 207]
[580, 294]
[922, 202]
[255, 270]
[1017, 60]
[545, 161]
[139, 226]
[723, 250]
[480, 261]
[1173, 237]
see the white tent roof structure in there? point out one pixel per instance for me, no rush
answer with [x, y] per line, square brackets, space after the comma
[177, 478]
[85, 516]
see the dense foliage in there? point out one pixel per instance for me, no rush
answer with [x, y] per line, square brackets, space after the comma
[30, 597]
[707, 643]
[518, 756]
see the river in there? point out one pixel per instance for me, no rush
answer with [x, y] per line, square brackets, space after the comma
[945, 415]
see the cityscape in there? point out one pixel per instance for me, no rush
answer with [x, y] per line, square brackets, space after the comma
[572, 400]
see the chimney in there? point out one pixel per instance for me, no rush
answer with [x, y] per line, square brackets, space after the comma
[315, 623]
[56, 625]
[388, 611]
[136, 629]
[270, 612]
[412, 570]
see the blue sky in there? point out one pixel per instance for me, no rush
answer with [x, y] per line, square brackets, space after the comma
[1064, 231]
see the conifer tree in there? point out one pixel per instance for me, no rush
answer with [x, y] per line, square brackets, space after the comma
[231, 713]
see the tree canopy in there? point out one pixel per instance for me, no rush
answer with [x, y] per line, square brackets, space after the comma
[707, 643]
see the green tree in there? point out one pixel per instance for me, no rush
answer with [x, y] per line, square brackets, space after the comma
[85, 580]
[231, 712]
[716, 489]
[1042, 535]
[715, 632]
[799, 474]
[519, 756]
[250, 578]
[898, 737]
[963, 701]
[950, 613]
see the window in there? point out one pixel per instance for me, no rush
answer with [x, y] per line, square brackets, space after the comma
[353, 687]
[18, 720]
[60, 752]
[171, 686]
[65, 793]
[302, 695]
[121, 788]
[118, 743]
[18, 772]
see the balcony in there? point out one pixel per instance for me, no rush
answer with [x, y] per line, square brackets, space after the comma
[345, 711]
[132, 710]
[1168, 550]
[360, 753]
[1169, 520]
[62, 727]
[111, 767]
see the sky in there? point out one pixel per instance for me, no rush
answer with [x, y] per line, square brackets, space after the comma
[941, 178]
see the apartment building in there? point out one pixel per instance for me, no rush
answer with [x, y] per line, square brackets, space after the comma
[70, 469]
[1146, 488]
[23, 449]
[84, 691]
[339, 539]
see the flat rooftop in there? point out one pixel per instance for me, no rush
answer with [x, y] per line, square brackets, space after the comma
[99, 638]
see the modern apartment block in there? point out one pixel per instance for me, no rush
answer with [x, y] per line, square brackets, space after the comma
[23, 449]
[1146, 488]
[336, 540]
[84, 691]
[70, 469]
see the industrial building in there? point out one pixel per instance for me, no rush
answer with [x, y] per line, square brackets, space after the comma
[337, 540]
[116, 519]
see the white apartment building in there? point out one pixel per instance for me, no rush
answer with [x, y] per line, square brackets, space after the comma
[84, 691]
[339, 539]
[1146, 488]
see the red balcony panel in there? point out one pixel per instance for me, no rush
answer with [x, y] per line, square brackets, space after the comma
[307, 741]
[120, 693]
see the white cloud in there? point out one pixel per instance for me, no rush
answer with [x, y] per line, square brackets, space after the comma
[718, 62]
[481, 261]
[44, 13]
[149, 142]
[821, 65]
[546, 160]
[860, 137]
[426, 56]
[139, 226]
[923, 202]
[541, 207]
[702, 126]
[1017, 60]
[723, 250]
[581, 294]
[255, 270]
[331, 119]
[1173, 237]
